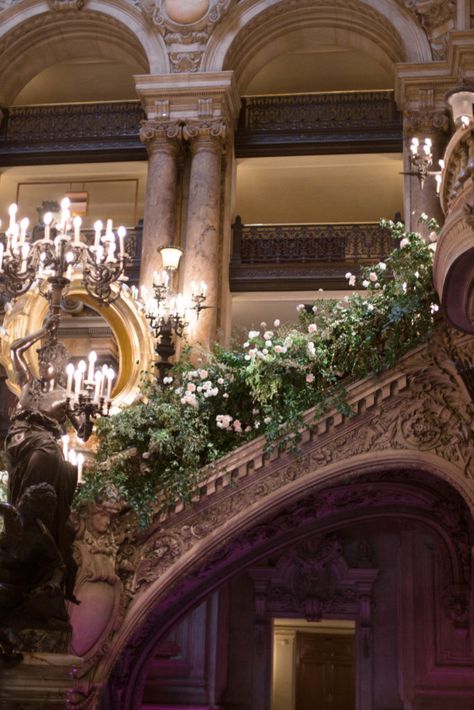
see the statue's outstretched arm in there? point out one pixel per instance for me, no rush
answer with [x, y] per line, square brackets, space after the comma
[21, 345]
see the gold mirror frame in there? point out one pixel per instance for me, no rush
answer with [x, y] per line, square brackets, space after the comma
[129, 326]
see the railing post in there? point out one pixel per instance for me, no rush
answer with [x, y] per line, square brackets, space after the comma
[237, 229]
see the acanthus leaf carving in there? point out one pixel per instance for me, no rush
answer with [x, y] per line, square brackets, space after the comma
[437, 17]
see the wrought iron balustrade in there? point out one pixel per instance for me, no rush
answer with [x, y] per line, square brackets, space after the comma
[300, 256]
[324, 123]
[105, 130]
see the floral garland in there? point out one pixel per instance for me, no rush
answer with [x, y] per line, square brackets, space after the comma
[265, 386]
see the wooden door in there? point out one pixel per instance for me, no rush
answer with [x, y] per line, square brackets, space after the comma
[325, 672]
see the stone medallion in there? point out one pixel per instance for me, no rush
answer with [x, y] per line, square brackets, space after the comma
[185, 12]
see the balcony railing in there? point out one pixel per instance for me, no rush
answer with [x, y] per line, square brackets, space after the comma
[72, 132]
[303, 256]
[319, 123]
[361, 121]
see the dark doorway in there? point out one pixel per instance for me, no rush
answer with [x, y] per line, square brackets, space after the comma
[325, 671]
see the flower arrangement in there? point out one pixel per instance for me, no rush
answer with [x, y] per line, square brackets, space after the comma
[265, 386]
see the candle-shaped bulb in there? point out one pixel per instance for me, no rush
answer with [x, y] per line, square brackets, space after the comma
[110, 378]
[122, 232]
[70, 375]
[80, 466]
[441, 163]
[77, 221]
[92, 360]
[23, 227]
[65, 203]
[98, 229]
[108, 229]
[438, 179]
[98, 385]
[12, 210]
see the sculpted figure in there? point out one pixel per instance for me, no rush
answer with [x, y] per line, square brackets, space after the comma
[32, 443]
[32, 570]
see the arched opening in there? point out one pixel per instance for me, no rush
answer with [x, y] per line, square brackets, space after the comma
[52, 48]
[370, 551]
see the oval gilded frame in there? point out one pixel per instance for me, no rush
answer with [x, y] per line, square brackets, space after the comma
[129, 326]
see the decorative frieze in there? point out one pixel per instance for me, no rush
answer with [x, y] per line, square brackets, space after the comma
[357, 109]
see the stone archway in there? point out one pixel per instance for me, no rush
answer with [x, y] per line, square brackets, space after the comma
[33, 36]
[415, 418]
[252, 33]
[305, 538]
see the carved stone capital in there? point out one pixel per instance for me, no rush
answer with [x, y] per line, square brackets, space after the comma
[425, 122]
[159, 134]
[210, 134]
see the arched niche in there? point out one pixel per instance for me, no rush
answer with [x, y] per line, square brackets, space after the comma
[35, 38]
[253, 34]
[129, 328]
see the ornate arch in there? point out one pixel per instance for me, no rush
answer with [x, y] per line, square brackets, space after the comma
[253, 32]
[401, 495]
[414, 419]
[35, 35]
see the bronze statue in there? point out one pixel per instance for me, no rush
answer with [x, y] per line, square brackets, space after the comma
[36, 460]
[32, 569]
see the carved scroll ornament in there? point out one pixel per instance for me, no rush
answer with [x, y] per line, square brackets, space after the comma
[185, 26]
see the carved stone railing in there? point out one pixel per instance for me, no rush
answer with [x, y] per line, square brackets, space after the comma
[107, 130]
[325, 123]
[453, 268]
[299, 256]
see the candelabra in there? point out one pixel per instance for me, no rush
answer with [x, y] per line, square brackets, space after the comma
[421, 160]
[89, 395]
[49, 262]
[166, 311]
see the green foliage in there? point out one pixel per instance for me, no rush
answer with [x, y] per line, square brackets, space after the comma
[265, 386]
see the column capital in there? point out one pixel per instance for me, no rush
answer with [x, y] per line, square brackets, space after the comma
[210, 133]
[158, 133]
[425, 122]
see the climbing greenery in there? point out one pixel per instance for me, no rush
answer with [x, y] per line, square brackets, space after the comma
[154, 451]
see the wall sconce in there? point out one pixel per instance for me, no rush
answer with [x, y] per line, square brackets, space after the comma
[166, 311]
[460, 100]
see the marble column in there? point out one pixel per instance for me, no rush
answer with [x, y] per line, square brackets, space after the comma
[163, 141]
[419, 200]
[202, 257]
